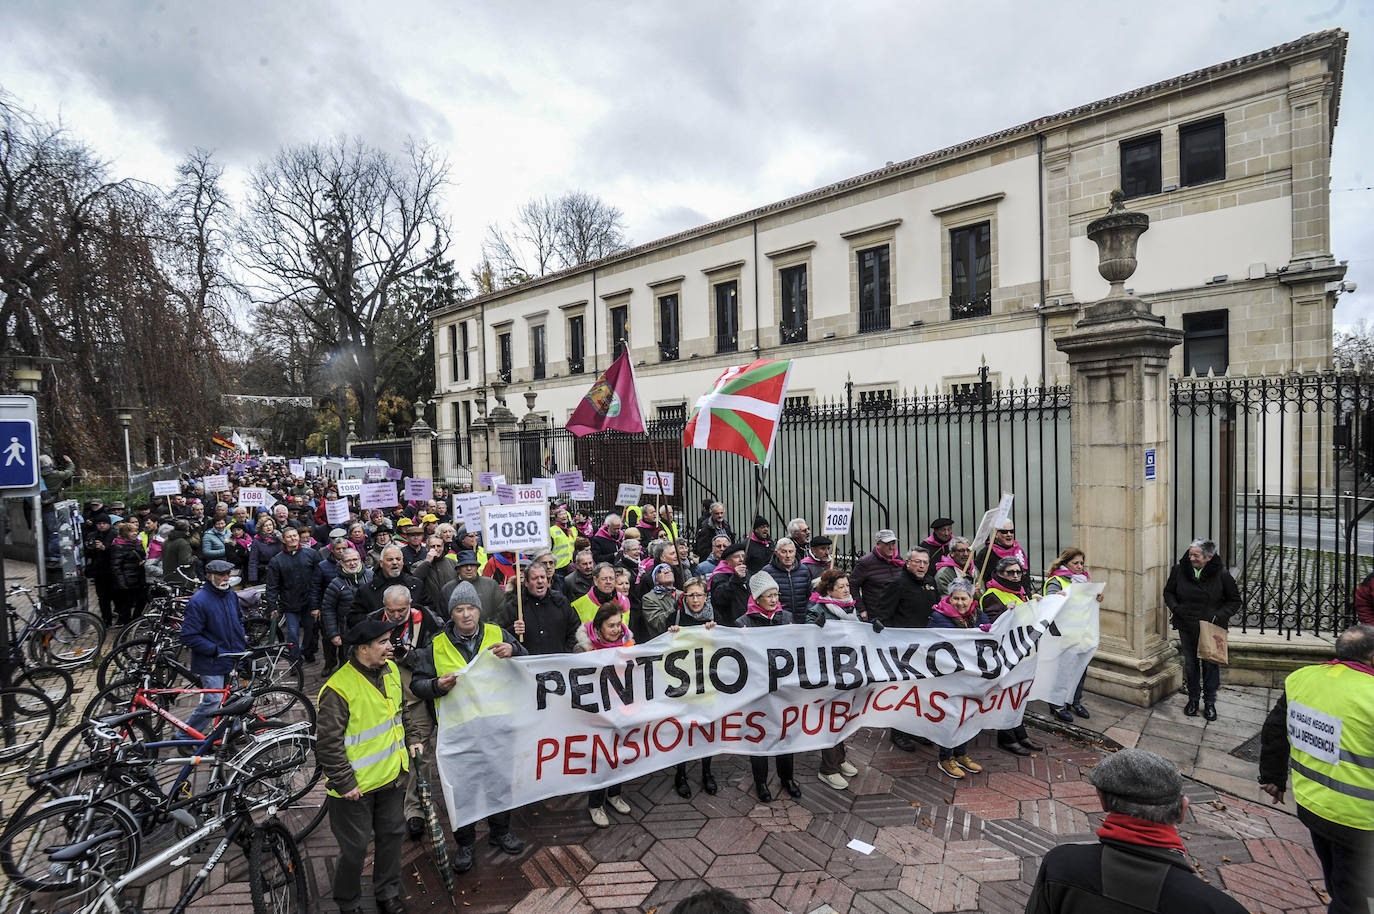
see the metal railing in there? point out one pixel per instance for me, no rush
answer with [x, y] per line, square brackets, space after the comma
[875, 320]
[965, 307]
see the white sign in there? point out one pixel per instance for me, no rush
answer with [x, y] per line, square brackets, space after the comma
[838, 515]
[658, 483]
[528, 494]
[586, 493]
[1314, 732]
[628, 494]
[253, 497]
[419, 489]
[218, 483]
[993, 518]
[467, 507]
[336, 511]
[167, 487]
[487, 480]
[350, 486]
[505, 493]
[379, 495]
[515, 528]
[569, 482]
[547, 484]
[296, 469]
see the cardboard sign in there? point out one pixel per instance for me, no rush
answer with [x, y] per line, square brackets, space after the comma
[515, 528]
[487, 480]
[569, 482]
[379, 495]
[658, 483]
[394, 474]
[505, 493]
[586, 493]
[628, 494]
[336, 511]
[1314, 732]
[547, 484]
[419, 489]
[296, 469]
[167, 487]
[237, 468]
[468, 506]
[529, 494]
[252, 497]
[350, 487]
[838, 515]
[218, 483]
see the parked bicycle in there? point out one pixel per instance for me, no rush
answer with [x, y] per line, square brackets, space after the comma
[63, 638]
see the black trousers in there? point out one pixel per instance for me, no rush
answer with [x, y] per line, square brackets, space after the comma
[105, 596]
[759, 765]
[1346, 871]
[498, 824]
[378, 817]
[1198, 675]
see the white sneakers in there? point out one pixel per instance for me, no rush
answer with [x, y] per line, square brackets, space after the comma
[599, 817]
[619, 805]
[848, 770]
[833, 780]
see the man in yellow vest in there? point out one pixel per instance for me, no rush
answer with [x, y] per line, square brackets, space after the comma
[562, 537]
[435, 671]
[361, 743]
[1323, 728]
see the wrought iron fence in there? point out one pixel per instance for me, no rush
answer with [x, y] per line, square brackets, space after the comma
[395, 451]
[1278, 472]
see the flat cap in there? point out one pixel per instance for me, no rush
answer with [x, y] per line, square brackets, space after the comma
[1139, 776]
[821, 540]
[218, 566]
[368, 630]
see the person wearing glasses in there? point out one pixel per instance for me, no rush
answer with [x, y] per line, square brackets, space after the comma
[1070, 567]
[1003, 546]
[1004, 591]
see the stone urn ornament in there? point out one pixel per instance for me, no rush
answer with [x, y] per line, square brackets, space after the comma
[1116, 236]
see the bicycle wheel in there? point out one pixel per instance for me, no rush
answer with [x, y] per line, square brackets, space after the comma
[61, 823]
[27, 717]
[132, 658]
[52, 681]
[281, 703]
[150, 625]
[284, 772]
[276, 877]
[79, 742]
[277, 668]
[68, 639]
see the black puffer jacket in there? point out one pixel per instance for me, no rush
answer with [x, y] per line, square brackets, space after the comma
[126, 564]
[1070, 881]
[1211, 595]
[794, 586]
[906, 602]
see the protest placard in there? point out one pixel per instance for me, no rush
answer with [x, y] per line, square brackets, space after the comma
[838, 515]
[336, 511]
[167, 487]
[515, 528]
[587, 492]
[467, 507]
[296, 468]
[350, 487]
[526, 494]
[505, 493]
[379, 495]
[253, 497]
[219, 483]
[568, 482]
[628, 494]
[487, 480]
[658, 483]
[419, 488]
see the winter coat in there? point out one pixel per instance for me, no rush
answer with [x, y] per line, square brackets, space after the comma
[1069, 881]
[940, 620]
[260, 554]
[1364, 600]
[604, 547]
[288, 581]
[126, 564]
[729, 597]
[337, 600]
[1211, 595]
[906, 602]
[550, 622]
[488, 591]
[584, 640]
[757, 553]
[236, 553]
[178, 561]
[794, 586]
[212, 544]
[367, 599]
[707, 532]
[871, 575]
[658, 609]
[992, 605]
[937, 549]
[438, 575]
[759, 620]
[829, 609]
[213, 624]
[326, 569]
[575, 585]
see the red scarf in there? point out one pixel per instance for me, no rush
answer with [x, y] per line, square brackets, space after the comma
[1130, 830]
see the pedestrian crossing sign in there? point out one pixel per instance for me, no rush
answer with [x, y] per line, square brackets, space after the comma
[18, 443]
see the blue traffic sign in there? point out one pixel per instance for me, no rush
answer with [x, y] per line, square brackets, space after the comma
[18, 455]
[1149, 463]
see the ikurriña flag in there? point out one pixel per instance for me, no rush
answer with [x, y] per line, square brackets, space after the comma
[741, 412]
[611, 403]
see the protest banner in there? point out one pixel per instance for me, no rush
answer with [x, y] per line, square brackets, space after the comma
[467, 507]
[419, 488]
[350, 487]
[167, 487]
[568, 482]
[336, 511]
[253, 497]
[837, 515]
[519, 730]
[379, 495]
[218, 483]
[659, 483]
[628, 494]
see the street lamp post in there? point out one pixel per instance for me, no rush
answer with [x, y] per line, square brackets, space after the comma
[125, 418]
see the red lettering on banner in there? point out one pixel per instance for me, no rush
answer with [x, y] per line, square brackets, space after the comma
[729, 727]
[790, 715]
[569, 755]
[912, 699]
[541, 758]
[840, 715]
[935, 705]
[820, 718]
[880, 692]
[1021, 691]
[599, 748]
[707, 731]
[631, 744]
[658, 729]
[753, 722]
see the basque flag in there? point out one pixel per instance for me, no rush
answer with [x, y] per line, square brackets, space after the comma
[741, 412]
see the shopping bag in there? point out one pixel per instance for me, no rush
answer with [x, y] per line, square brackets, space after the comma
[1211, 643]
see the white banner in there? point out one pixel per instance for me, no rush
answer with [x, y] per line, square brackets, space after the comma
[379, 495]
[992, 519]
[253, 497]
[296, 469]
[218, 483]
[167, 487]
[519, 730]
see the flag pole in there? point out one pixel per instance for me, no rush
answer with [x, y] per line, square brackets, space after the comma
[519, 598]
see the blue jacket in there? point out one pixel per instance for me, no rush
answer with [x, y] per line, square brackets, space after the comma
[212, 544]
[213, 624]
[794, 586]
[940, 620]
[325, 571]
[288, 581]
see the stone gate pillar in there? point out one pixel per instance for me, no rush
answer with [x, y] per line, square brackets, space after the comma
[421, 444]
[1118, 356]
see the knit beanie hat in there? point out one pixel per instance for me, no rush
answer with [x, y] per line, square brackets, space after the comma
[761, 583]
[464, 595]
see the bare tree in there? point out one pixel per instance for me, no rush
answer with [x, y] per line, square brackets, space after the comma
[548, 235]
[332, 231]
[1354, 348]
[589, 228]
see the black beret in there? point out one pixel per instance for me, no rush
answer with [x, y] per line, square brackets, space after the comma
[368, 630]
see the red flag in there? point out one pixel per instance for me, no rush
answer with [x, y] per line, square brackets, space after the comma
[611, 403]
[741, 412]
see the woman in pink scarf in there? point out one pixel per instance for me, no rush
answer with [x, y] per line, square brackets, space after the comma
[1070, 567]
[606, 629]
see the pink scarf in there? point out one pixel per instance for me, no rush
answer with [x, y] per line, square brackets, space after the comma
[757, 610]
[607, 534]
[947, 562]
[963, 620]
[1014, 551]
[1063, 572]
[595, 638]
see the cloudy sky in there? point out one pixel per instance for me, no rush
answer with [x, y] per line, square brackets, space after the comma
[678, 113]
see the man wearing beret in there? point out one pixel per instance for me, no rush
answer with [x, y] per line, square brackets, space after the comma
[362, 748]
[940, 539]
[1138, 863]
[818, 558]
[729, 585]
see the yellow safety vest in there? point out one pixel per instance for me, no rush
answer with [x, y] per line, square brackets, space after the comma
[448, 659]
[587, 606]
[562, 545]
[1333, 778]
[374, 740]
[1064, 582]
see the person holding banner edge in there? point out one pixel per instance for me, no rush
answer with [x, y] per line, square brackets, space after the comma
[1004, 591]
[693, 608]
[764, 610]
[1069, 567]
[606, 629]
[958, 610]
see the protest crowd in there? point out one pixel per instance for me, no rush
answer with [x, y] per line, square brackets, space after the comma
[411, 589]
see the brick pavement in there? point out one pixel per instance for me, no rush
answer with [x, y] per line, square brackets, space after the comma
[940, 845]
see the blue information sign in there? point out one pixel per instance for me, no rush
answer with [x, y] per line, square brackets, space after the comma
[1149, 463]
[18, 455]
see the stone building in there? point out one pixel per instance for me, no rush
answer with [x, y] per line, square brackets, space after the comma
[910, 276]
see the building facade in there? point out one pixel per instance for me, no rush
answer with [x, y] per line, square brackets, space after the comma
[908, 278]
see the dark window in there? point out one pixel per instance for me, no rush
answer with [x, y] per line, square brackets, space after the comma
[538, 352]
[453, 349]
[1204, 343]
[1140, 166]
[875, 289]
[1202, 152]
[675, 413]
[620, 329]
[793, 326]
[460, 430]
[577, 344]
[503, 347]
[970, 271]
[727, 316]
[669, 334]
[875, 400]
[463, 347]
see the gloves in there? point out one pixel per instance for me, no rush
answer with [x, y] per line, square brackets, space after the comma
[820, 620]
[986, 626]
[878, 625]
